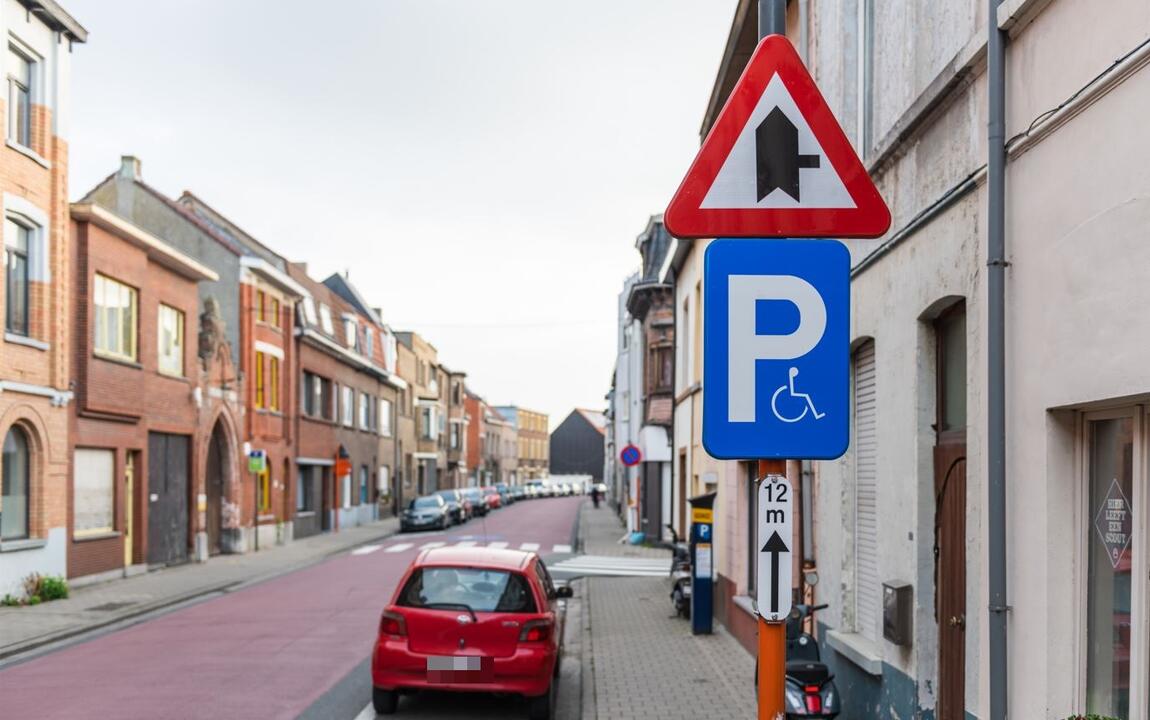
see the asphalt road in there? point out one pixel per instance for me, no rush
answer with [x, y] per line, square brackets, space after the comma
[295, 645]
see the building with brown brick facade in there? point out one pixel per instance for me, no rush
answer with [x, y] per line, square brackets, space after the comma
[406, 441]
[35, 363]
[428, 390]
[457, 425]
[346, 452]
[136, 414]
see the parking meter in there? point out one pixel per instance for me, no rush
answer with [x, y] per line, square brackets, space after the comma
[702, 565]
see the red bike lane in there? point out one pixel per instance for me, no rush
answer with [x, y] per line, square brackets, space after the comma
[267, 651]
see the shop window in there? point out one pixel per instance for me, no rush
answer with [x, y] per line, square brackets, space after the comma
[171, 341]
[116, 307]
[15, 479]
[17, 240]
[93, 495]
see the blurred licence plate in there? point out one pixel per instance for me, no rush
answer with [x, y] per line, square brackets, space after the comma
[459, 668]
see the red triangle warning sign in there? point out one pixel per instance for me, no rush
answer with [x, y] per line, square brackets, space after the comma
[776, 163]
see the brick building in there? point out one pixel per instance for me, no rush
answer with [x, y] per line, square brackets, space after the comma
[534, 446]
[135, 418]
[428, 399]
[346, 450]
[35, 367]
[503, 456]
[457, 425]
[406, 440]
[475, 454]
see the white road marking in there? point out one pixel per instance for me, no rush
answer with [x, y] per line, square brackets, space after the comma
[466, 543]
[613, 566]
[400, 547]
[366, 549]
[368, 713]
[530, 547]
[561, 548]
[497, 545]
[429, 545]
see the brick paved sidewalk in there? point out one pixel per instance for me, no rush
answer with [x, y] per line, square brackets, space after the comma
[642, 660]
[95, 606]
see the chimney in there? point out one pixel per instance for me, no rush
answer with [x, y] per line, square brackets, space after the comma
[130, 167]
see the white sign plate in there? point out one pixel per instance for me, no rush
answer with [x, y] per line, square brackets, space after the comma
[776, 523]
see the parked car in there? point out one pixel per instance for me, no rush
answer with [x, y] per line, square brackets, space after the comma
[425, 513]
[455, 507]
[478, 501]
[537, 487]
[518, 492]
[504, 493]
[576, 488]
[494, 501]
[471, 620]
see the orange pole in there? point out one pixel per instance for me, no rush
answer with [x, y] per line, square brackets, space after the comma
[772, 639]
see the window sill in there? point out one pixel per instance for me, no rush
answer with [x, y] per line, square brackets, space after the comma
[746, 604]
[273, 413]
[118, 360]
[857, 649]
[26, 341]
[96, 536]
[305, 513]
[19, 545]
[29, 153]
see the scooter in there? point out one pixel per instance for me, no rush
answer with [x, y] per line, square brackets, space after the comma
[810, 690]
[680, 574]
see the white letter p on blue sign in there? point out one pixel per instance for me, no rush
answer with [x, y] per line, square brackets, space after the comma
[776, 349]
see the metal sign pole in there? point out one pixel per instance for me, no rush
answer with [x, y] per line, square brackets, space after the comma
[772, 636]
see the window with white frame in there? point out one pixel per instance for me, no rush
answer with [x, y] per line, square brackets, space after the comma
[308, 306]
[171, 341]
[368, 342]
[17, 245]
[428, 424]
[325, 319]
[454, 436]
[350, 333]
[385, 417]
[116, 307]
[93, 496]
[21, 67]
[347, 406]
[364, 411]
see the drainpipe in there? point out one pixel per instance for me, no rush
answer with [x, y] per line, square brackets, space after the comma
[996, 361]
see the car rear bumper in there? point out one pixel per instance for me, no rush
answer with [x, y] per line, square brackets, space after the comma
[527, 672]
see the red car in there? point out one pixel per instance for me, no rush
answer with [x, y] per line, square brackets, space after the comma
[493, 498]
[471, 620]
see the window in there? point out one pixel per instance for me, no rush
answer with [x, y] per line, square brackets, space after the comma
[93, 492]
[427, 423]
[364, 487]
[385, 418]
[951, 332]
[17, 239]
[20, 68]
[1111, 601]
[115, 305]
[325, 319]
[171, 341]
[261, 395]
[350, 333]
[261, 306]
[368, 342]
[15, 477]
[265, 486]
[316, 400]
[364, 411]
[274, 383]
[867, 587]
[454, 436]
[273, 311]
[347, 406]
[309, 310]
[480, 589]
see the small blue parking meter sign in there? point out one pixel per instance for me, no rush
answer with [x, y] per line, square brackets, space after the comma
[776, 354]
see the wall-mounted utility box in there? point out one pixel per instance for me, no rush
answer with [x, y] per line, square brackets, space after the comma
[897, 609]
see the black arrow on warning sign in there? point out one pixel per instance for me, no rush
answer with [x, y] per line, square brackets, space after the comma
[777, 157]
[775, 546]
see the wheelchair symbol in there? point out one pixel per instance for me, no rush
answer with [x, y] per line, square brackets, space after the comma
[790, 388]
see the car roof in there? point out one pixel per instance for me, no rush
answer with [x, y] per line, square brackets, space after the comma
[474, 557]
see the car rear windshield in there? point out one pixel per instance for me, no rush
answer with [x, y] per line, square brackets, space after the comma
[447, 495]
[479, 589]
[425, 502]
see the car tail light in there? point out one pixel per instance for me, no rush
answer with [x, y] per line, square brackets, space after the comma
[813, 699]
[392, 624]
[535, 631]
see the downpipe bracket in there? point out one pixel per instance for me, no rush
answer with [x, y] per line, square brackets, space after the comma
[1000, 608]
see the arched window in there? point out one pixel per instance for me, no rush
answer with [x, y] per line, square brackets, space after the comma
[15, 474]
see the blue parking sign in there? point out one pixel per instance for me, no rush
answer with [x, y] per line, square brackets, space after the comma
[776, 355]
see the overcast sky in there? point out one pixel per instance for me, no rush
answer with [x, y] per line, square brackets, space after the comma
[480, 167]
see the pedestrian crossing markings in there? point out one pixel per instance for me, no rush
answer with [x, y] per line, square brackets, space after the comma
[611, 566]
[497, 545]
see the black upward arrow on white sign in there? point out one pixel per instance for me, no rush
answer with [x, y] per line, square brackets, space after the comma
[775, 546]
[777, 155]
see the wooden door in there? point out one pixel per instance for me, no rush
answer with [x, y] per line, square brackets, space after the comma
[167, 499]
[214, 486]
[950, 577]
